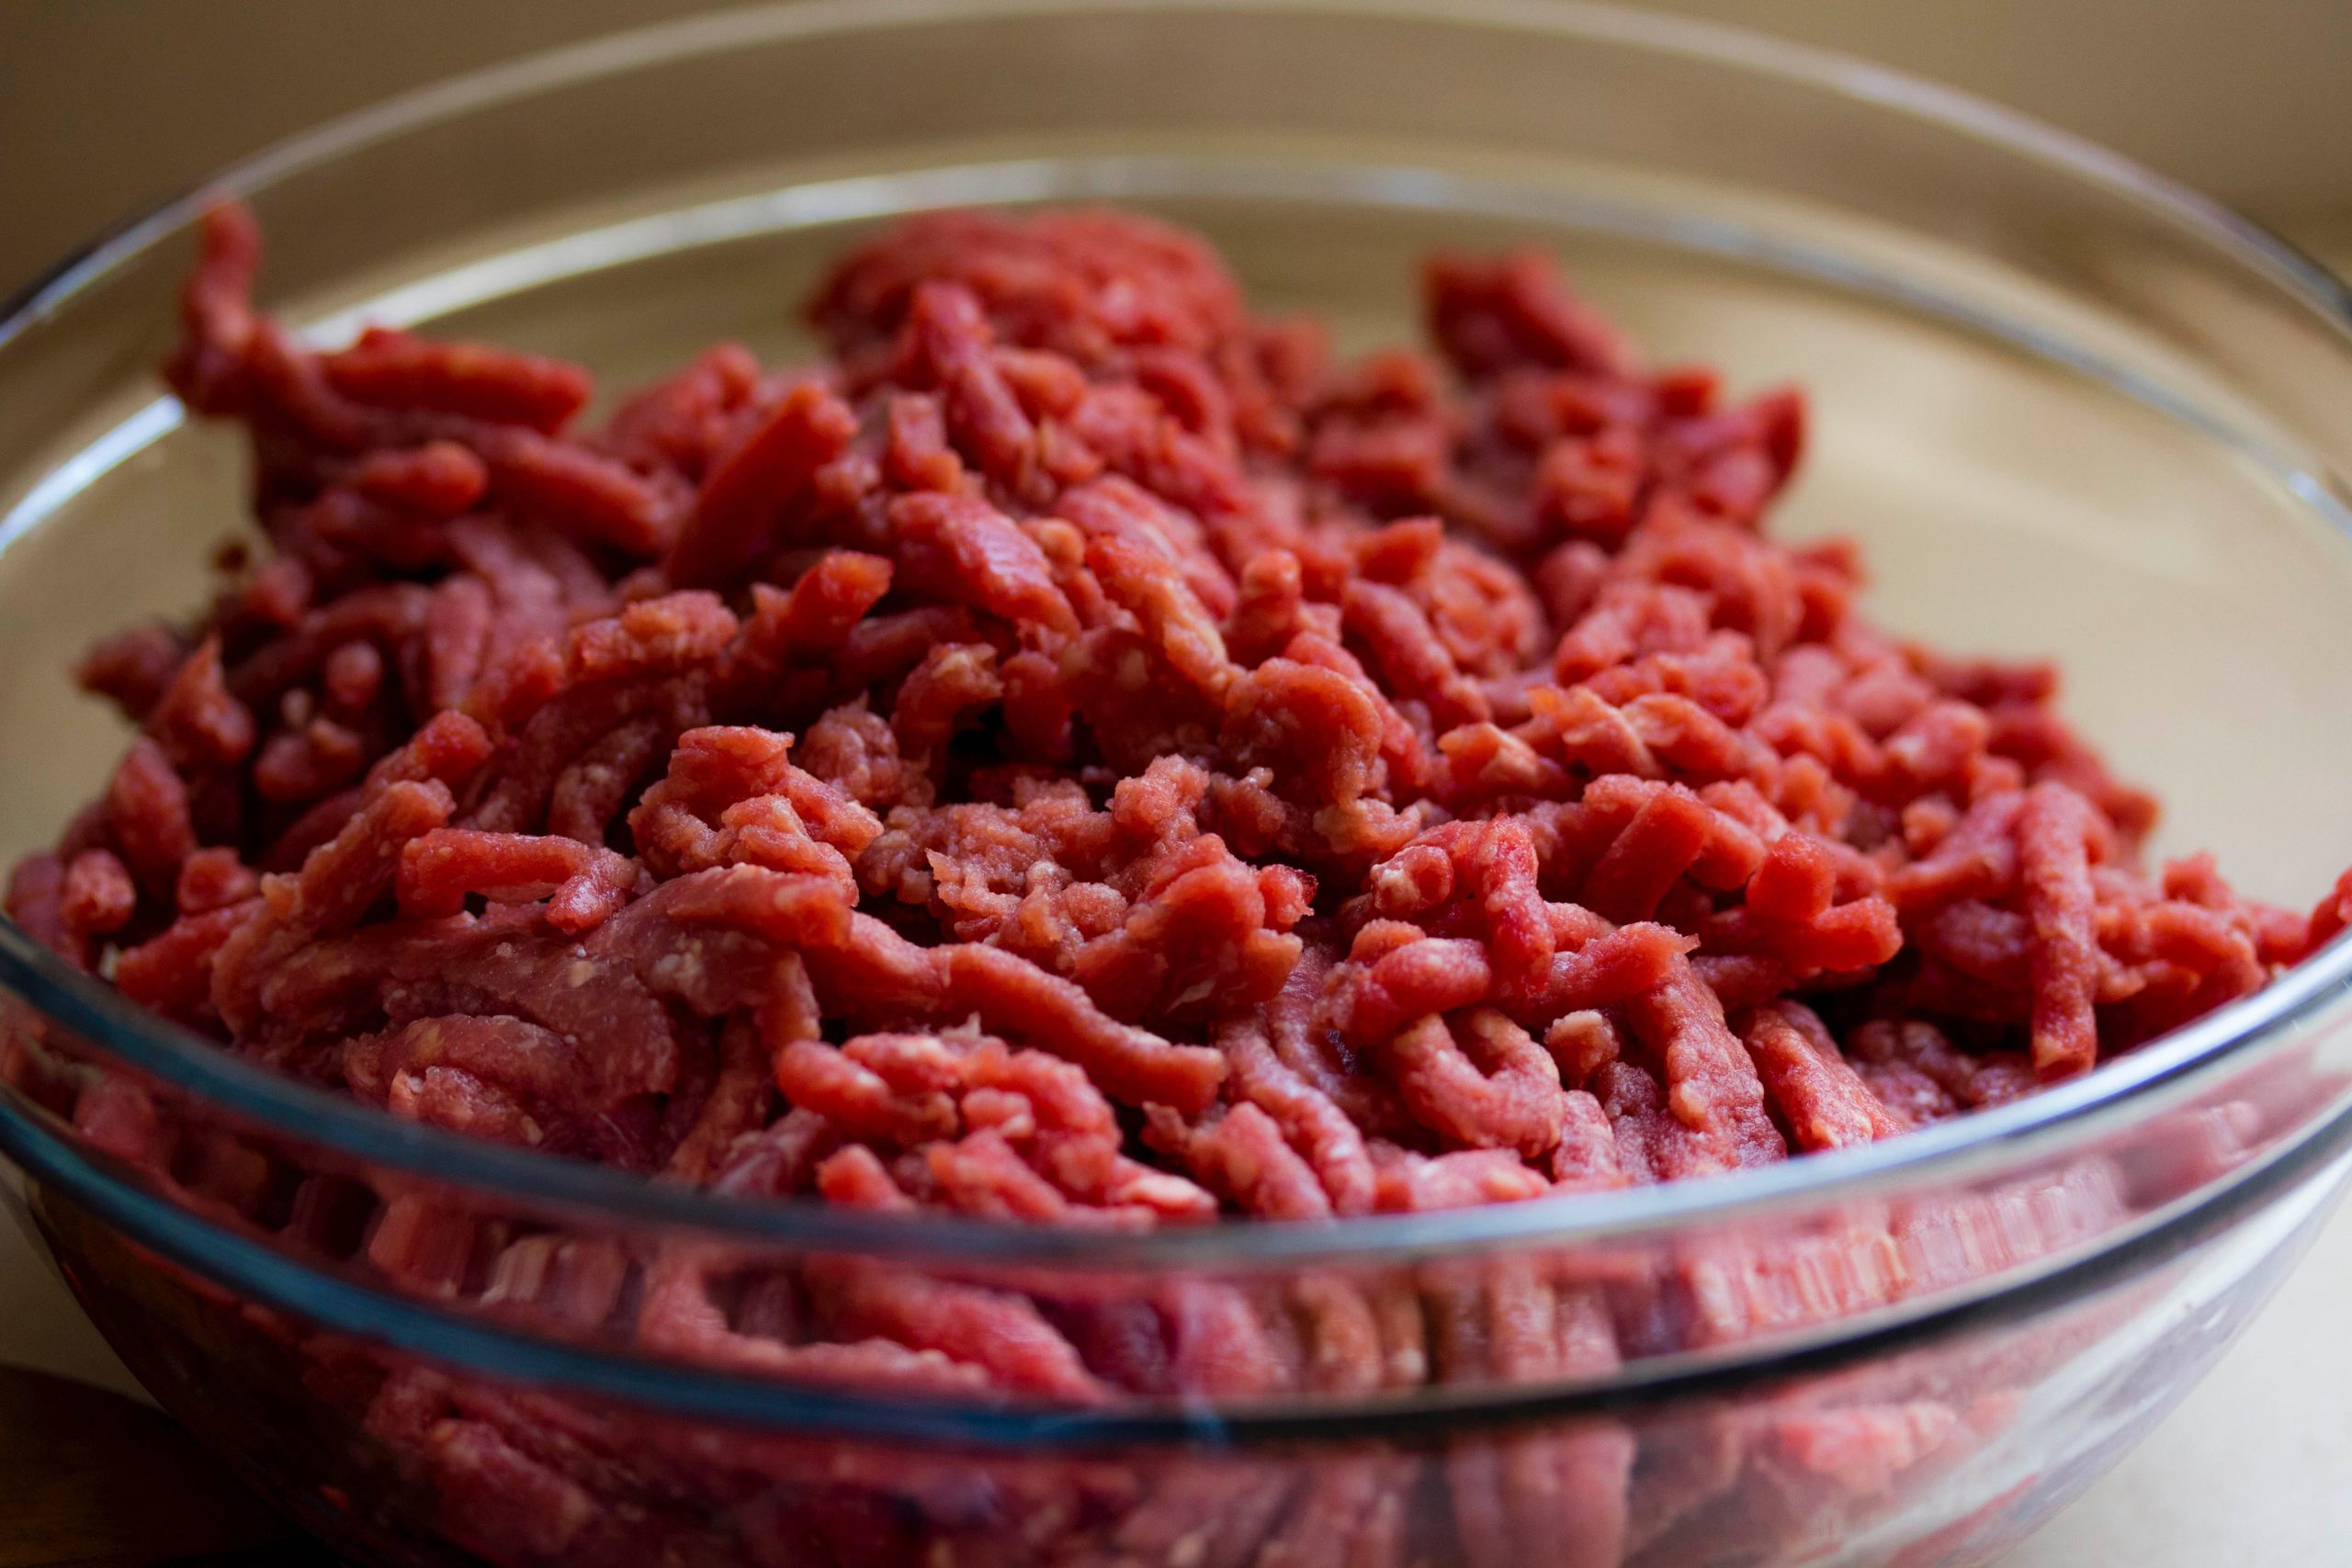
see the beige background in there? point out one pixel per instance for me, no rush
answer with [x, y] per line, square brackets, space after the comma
[106, 106]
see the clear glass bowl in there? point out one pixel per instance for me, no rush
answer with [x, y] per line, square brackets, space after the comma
[2068, 410]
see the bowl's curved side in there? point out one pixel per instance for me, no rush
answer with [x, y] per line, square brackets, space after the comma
[1947, 1452]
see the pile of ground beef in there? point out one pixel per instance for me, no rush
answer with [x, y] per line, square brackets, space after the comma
[1076, 754]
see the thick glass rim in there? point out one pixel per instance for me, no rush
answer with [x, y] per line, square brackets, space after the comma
[259, 1275]
[2041, 1127]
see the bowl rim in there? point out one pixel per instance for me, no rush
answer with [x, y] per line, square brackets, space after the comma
[2042, 1127]
[258, 1275]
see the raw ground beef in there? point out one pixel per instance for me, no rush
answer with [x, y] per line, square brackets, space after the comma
[1078, 755]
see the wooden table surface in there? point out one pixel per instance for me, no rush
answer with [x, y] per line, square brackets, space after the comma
[94, 1480]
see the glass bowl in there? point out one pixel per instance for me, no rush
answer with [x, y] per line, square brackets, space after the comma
[2067, 409]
